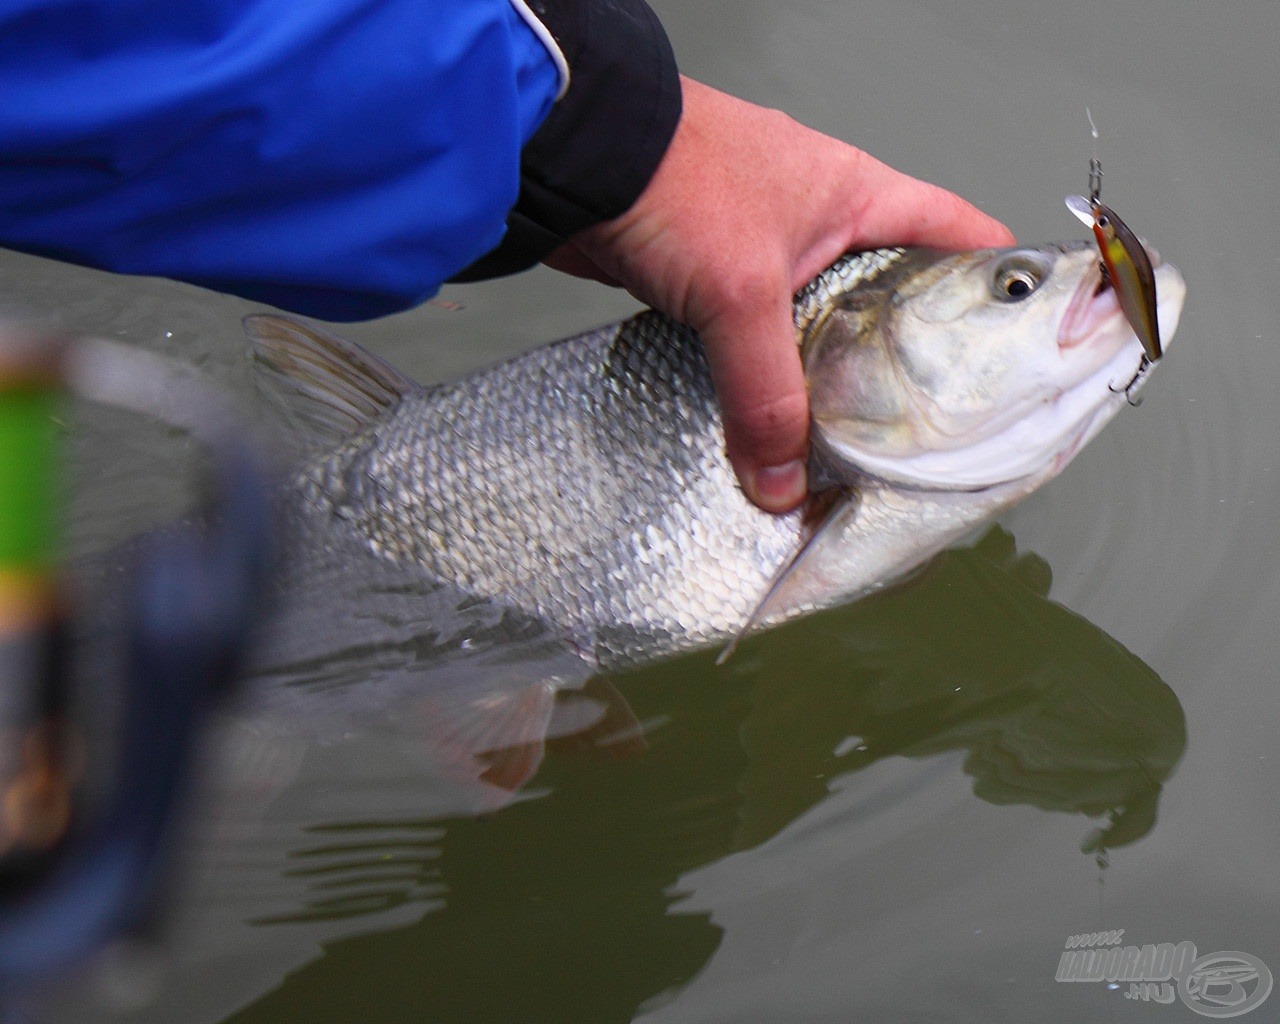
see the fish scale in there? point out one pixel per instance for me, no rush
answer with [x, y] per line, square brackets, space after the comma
[845, 275]
[571, 499]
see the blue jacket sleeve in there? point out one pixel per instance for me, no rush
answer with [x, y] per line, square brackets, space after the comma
[604, 138]
[339, 158]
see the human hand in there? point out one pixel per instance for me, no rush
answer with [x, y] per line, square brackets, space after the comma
[746, 207]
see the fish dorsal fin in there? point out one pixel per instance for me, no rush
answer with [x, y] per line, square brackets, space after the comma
[827, 511]
[328, 386]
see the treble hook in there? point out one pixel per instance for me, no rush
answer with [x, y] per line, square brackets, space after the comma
[1134, 382]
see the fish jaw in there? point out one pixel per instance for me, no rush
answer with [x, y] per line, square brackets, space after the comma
[1099, 321]
[1122, 375]
[1096, 306]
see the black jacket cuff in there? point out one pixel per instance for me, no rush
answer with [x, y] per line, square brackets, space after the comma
[600, 144]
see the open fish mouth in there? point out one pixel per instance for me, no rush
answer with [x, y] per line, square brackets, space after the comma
[1094, 311]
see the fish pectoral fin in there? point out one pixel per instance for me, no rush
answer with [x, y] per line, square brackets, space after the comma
[328, 386]
[596, 719]
[827, 510]
[501, 739]
[511, 767]
[497, 738]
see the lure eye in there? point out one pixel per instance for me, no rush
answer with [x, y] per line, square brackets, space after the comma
[1016, 279]
[1104, 221]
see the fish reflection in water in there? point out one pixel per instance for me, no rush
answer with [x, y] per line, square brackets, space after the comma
[1052, 712]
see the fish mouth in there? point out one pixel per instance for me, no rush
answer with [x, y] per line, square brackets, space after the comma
[1094, 310]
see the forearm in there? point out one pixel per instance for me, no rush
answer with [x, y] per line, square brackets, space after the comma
[338, 158]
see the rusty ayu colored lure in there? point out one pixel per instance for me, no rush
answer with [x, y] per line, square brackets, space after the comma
[1127, 265]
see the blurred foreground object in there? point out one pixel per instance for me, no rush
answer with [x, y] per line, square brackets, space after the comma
[34, 777]
[76, 873]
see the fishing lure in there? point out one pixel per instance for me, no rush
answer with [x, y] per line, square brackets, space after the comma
[1128, 267]
[1125, 260]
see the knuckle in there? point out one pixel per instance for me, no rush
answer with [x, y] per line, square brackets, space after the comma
[747, 286]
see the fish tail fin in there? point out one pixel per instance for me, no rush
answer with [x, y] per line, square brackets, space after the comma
[326, 386]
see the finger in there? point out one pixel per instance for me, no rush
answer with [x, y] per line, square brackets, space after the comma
[906, 211]
[755, 365]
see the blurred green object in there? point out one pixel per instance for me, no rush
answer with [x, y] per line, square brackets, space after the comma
[30, 394]
[28, 449]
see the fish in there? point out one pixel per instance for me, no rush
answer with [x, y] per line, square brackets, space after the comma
[584, 484]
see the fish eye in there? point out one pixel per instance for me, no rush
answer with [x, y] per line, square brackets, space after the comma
[1015, 279]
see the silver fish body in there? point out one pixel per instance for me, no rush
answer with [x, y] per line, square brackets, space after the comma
[584, 483]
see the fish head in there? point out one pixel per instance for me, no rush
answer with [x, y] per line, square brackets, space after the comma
[970, 370]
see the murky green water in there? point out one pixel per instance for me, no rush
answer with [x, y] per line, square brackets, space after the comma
[898, 811]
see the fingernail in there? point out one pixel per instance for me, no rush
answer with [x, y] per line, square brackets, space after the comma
[780, 488]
